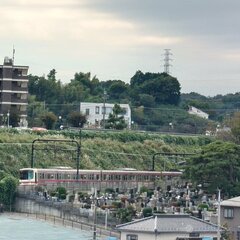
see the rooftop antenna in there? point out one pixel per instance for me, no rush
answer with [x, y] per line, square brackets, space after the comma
[13, 54]
[167, 59]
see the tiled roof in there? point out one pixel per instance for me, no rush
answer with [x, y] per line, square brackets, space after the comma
[232, 202]
[169, 223]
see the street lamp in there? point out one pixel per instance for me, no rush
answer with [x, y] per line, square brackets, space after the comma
[8, 116]
[60, 122]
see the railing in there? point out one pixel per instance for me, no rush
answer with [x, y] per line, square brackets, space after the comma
[73, 212]
[74, 224]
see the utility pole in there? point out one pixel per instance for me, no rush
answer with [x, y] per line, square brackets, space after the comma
[95, 216]
[8, 116]
[167, 60]
[219, 215]
[104, 107]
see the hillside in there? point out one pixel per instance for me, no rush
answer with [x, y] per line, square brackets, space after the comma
[103, 150]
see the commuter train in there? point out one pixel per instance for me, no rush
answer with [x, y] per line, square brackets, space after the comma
[120, 180]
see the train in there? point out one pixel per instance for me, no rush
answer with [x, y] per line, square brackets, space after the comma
[120, 180]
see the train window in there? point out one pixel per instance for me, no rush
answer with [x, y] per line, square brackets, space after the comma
[97, 177]
[104, 177]
[26, 175]
[152, 178]
[124, 178]
[118, 177]
[145, 178]
[139, 178]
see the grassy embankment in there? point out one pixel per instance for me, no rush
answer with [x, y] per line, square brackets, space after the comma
[103, 150]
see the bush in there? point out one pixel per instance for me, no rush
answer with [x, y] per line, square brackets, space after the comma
[147, 212]
[61, 192]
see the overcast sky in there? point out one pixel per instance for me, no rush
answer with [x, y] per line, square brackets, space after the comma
[113, 39]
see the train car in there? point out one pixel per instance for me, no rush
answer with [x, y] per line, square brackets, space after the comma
[120, 180]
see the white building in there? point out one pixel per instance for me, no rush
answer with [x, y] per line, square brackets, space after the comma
[95, 112]
[168, 227]
[197, 112]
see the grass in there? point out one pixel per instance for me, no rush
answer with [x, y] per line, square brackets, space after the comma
[102, 150]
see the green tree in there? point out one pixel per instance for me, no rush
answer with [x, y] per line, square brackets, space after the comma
[217, 166]
[49, 119]
[8, 186]
[235, 126]
[14, 119]
[116, 119]
[125, 214]
[164, 88]
[77, 119]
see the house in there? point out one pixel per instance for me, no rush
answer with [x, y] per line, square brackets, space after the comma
[230, 216]
[168, 227]
[95, 112]
[197, 112]
[13, 91]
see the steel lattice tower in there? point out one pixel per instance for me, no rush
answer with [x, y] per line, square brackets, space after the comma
[167, 60]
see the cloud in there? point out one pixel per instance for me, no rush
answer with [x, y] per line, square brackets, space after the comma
[116, 38]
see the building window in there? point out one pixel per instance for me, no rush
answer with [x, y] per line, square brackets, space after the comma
[132, 237]
[97, 109]
[108, 110]
[238, 235]
[87, 111]
[228, 212]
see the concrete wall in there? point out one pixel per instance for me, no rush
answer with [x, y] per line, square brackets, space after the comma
[24, 205]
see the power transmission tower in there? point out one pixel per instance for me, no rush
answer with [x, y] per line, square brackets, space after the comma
[167, 60]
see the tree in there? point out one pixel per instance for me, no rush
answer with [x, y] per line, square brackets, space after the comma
[49, 119]
[125, 214]
[116, 119]
[14, 119]
[235, 126]
[8, 186]
[164, 88]
[77, 119]
[217, 166]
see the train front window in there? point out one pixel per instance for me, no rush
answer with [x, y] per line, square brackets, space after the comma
[26, 174]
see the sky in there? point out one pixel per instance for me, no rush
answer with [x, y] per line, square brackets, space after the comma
[113, 39]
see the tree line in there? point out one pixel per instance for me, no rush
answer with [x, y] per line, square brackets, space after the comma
[156, 101]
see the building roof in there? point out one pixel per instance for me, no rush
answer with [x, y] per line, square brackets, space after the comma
[165, 223]
[232, 202]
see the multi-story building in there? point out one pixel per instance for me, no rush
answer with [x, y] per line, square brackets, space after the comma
[230, 216]
[98, 112]
[13, 91]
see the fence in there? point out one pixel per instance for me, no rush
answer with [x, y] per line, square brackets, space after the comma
[66, 214]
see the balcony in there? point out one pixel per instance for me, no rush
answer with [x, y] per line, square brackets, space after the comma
[15, 100]
[19, 89]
